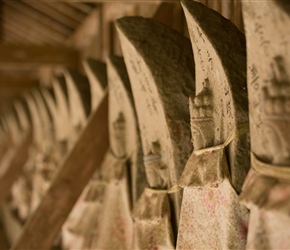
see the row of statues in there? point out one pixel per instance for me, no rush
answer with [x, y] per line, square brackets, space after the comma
[199, 148]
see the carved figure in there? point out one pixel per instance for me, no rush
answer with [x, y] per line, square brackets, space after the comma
[201, 113]
[116, 227]
[276, 113]
[266, 191]
[211, 216]
[81, 228]
[119, 134]
[161, 88]
[156, 170]
[107, 203]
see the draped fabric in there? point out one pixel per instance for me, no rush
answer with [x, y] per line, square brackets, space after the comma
[152, 225]
[266, 192]
[211, 216]
[101, 219]
[82, 225]
[116, 226]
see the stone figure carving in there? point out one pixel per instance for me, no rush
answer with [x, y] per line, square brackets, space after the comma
[201, 113]
[108, 190]
[266, 189]
[276, 115]
[211, 216]
[156, 170]
[81, 227]
[119, 134]
[160, 69]
[116, 226]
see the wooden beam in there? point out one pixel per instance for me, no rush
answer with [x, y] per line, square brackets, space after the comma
[81, 6]
[18, 80]
[45, 223]
[67, 10]
[12, 38]
[85, 36]
[20, 156]
[20, 55]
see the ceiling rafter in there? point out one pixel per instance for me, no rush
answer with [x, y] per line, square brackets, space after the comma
[59, 37]
[21, 32]
[84, 7]
[25, 31]
[38, 17]
[68, 11]
[48, 11]
[50, 36]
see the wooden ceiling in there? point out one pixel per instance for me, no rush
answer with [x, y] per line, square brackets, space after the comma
[41, 23]
[33, 40]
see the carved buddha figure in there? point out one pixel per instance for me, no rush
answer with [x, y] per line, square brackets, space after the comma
[156, 170]
[276, 115]
[119, 135]
[202, 121]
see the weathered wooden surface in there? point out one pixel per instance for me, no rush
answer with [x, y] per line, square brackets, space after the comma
[97, 75]
[87, 33]
[266, 191]
[268, 79]
[217, 109]
[20, 156]
[78, 232]
[125, 139]
[87, 154]
[220, 78]
[161, 71]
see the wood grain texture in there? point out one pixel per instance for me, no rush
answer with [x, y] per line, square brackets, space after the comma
[87, 155]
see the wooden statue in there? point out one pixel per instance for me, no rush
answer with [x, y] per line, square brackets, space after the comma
[266, 191]
[211, 216]
[16, 167]
[125, 176]
[81, 227]
[161, 72]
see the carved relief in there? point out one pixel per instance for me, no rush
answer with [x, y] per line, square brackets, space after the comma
[266, 189]
[156, 169]
[119, 134]
[202, 119]
[276, 114]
